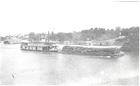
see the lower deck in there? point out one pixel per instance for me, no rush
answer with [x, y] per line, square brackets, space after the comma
[39, 48]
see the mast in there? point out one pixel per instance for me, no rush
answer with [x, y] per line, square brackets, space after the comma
[48, 36]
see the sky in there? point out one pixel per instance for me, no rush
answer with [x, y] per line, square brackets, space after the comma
[41, 16]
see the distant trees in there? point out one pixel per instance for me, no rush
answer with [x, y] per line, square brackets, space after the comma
[84, 35]
[2, 38]
[99, 34]
[63, 36]
[60, 36]
[34, 37]
[31, 36]
[132, 39]
[76, 37]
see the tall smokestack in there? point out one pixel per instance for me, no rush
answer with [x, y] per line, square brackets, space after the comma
[48, 36]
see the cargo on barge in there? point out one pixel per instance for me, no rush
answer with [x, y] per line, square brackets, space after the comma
[105, 51]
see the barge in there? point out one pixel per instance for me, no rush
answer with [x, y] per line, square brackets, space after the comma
[39, 46]
[100, 51]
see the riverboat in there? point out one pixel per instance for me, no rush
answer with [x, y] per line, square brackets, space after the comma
[39, 46]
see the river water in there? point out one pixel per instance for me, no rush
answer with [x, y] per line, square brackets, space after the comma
[28, 67]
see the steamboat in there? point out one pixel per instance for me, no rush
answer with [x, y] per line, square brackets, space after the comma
[39, 46]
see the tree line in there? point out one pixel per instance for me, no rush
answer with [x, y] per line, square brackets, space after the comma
[131, 40]
[99, 34]
[84, 35]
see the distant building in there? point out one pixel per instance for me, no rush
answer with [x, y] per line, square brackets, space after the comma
[12, 39]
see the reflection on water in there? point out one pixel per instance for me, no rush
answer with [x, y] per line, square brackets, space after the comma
[24, 67]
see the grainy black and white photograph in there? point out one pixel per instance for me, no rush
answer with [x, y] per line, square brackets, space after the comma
[69, 42]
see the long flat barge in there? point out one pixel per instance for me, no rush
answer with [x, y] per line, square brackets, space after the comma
[107, 51]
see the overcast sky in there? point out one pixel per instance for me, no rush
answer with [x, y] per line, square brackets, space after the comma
[24, 16]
